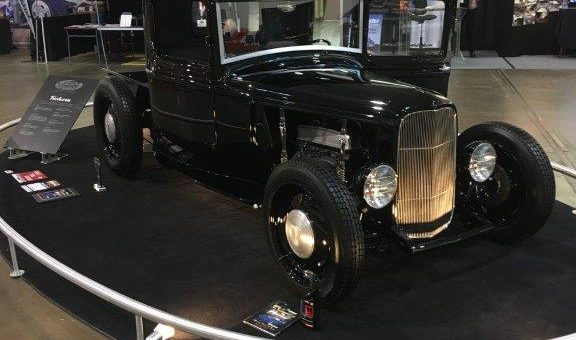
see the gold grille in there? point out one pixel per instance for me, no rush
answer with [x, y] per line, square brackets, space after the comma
[426, 172]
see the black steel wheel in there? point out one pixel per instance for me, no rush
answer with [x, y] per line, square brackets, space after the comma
[519, 195]
[314, 229]
[118, 127]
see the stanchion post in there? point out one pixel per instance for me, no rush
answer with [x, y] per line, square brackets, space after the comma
[139, 328]
[36, 41]
[16, 271]
[44, 40]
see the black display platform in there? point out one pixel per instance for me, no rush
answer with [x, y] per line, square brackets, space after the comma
[168, 242]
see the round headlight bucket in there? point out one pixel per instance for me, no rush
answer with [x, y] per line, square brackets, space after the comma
[380, 186]
[482, 162]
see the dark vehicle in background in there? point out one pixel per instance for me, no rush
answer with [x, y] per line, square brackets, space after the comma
[274, 99]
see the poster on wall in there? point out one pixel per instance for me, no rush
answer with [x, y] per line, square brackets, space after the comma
[530, 12]
[6, 10]
[375, 30]
[55, 8]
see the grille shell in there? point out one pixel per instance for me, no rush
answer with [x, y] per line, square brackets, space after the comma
[426, 166]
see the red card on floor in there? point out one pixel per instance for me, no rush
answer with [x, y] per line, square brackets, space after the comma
[30, 176]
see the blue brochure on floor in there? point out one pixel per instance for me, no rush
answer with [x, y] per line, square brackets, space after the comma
[273, 319]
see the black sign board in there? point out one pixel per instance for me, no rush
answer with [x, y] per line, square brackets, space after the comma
[52, 114]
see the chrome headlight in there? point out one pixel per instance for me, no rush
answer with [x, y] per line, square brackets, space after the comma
[380, 186]
[482, 162]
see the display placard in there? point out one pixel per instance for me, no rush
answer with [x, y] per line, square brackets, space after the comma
[52, 114]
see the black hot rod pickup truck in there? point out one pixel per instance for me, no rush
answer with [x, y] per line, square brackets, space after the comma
[276, 98]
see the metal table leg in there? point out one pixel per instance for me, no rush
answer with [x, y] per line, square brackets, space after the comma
[98, 48]
[69, 54]
[103, 48]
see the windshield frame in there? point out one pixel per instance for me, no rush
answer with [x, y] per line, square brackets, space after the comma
[279, 50]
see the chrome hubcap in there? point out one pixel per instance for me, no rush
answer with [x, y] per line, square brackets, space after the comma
[110, 127]
[299, 233]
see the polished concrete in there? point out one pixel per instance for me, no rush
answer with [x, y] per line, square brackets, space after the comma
[21, 79]
[26, 315]
[540, 101]
[489, 60]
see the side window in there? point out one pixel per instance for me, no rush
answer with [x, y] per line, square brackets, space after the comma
[406, 27]
[180, 29]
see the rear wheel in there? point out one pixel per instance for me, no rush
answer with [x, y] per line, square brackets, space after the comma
[314, 229]
[118, 127]
[519, 195]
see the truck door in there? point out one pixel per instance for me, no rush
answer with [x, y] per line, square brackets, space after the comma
[179, 71]
[239, 154]
[408, 40]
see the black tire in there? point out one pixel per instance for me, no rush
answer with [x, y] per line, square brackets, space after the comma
[520, 195]
[124, 154]
[315, 187]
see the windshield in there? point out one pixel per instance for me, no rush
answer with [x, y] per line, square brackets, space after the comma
[406, 27]
[252, 28]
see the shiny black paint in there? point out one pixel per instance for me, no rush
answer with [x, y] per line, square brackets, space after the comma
[228, 114]
[328, 84]
[182, 100]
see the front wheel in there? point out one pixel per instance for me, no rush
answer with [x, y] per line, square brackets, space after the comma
[314, 229]
[517, 193]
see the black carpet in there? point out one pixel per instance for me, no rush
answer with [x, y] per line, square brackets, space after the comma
[170, 243]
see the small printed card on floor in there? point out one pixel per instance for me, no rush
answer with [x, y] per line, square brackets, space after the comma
[273, 319]
[55, 195]
[30, 176]
[40, 186]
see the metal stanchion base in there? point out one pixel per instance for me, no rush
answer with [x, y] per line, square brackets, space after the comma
[17, 273]
[17, 154]
[48, 158]
[99, 188]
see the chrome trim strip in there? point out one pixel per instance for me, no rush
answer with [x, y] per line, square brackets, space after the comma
[430, 148]
[184, 118]
[126, 78]
[289, 49]
[290, 70]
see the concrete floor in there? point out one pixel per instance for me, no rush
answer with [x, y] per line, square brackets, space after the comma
[20, 80]
[539, 101]
[27, 315]
[490, 60]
